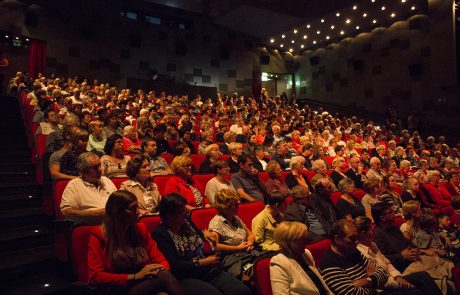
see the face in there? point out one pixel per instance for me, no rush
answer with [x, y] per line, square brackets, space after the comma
[185, 171]
[132, 211]
[277, 172]
[376, 165]
[52, 118]
[224, 171]
[444, 221]
[367, 237]
[247, 167]
[392, 166]
[354, 163]
[238, 150]
[387, 216]
[365, 156]
[341, 164]
[392, 181]
[347, 244]
[82, 142]
[94, 170]
[283, 149]
[87, 119]
[144, 171]
[151, 148]
[178, 218]
[253, 139]
[297, 247]
[98, 129]
[118, 145]
[322, 169]
[435, 178]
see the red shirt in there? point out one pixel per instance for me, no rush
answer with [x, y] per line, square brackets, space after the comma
[127, 143]
[100, 269]
[439, 194]
[175, 184]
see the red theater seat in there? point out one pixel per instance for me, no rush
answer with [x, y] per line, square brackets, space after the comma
[167, 157]
[161, 181]
[247, 211]
[79, 251]
[335, 197]
[200, 180]
[58, 189]
[151, 222]
[118, 181]
[197, 160]
[359, 194]
[202, 217]
[262, 276]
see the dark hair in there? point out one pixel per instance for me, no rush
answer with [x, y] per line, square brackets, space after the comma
[134, 165]
[79, 135]
[219, 164]
[364, 151]
[378, 209]
[338, 229]
[442, 215]
[275, 198]
[362, 223]
[145, 142]
[47, 112]
[243, 159]
[110, 143]
[170, 204]
[307, 146]
[455, 202]
[179, 148]
[44, 104]
[427, 222]
[338, 148]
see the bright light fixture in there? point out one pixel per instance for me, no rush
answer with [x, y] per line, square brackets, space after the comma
[282, 45]
[272, 40]
[348, 21]
[295, 31]
[337, 14]
[314, 41]
[302, 46]
[342, 32]
[305, 36]
[318, 32]
[283, 36]
[413, 8]
[322, 20]
[357, 27]
[383, 8]
[308, 26]
[292, 41]
[332, 27]
[374, 21]
[327, 37]
[291, 50]
[393, 14]
[364, 14]
[355, 7]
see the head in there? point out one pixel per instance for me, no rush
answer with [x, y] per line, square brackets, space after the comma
[89, 167]
[338, 163]
[346, 186]
[297, 163]
[339, 150]
[113, 144]
[375, 163]
[373, 187]
[319, 167]
[308, 150]
[383, 214]
[366, 230]
[282, 148]
[428, 222]
[121, 209]
[95, 128]
[130, 132]
[51, 117]
[246, 164]
[172, 210]
[323, 187]
[390, 182]
[79, 140]
[149, 147]
[455, 202]
[291, 236]
[273, 169]
[182, 167]
[301, 194]
[226, 202]
[138, 168]
[236, 149]
[443, 221]
[354, 162]
[276, 201]
[212, 151]
[365, 154]
[220, 167]
[344, 236]
[411, 209]
[404, 165]
[433, 177]
[260, 151]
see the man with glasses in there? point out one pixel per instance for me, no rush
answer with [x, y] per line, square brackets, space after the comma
[84, 198]
[356, 172]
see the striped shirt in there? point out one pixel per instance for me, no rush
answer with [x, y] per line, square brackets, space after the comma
[339, 272]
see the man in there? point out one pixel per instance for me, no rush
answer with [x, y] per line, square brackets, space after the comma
[50, 124]
[308, 151]
[244, 136]
[162, 143]
[301, 210]
[282, 154]
[356, 172]
[321, 200]
[247, 182]
[365, 158]
[84, 198]
[54, 163]
[73, 114]
[158, 165]
[376, 171]
[345, 270]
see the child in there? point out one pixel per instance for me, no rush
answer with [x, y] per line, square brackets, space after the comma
[449, 232]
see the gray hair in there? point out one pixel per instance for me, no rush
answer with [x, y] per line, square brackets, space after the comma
[316, 164]
[374, 160]
[127, 130]
[83, 161]
[337, 159]
[404, 163]
[295, 161]
[430, 174]
[344, 183]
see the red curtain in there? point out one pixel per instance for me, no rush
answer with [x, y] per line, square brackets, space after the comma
[37, 57]
[256, 84]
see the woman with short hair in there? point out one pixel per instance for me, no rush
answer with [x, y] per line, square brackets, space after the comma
[275, 183]
[219, 181]
[96, 141]
[114, 162]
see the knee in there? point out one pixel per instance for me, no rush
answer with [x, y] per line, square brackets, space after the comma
[167, 278]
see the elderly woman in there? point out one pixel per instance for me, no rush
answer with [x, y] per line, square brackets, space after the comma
[114, 162]
[183, 245]
[207, 139]
[143, 128]
[181, 183]
[382, 156]
[131, 144]
[321, 172]
[405, 169]
[140, 184]
[219, 182]
[296, 177]
[453, 183]
[234, 240]
[376, 171]
[423, 168]
[399, 156]
[411, 190]
[236, 150]
[264, 223]
[275, 183]
[96, 141]
[122, 257]
[348, 206]
[68, 162]
[438, 193]
[338, 164]
[293, 271]
[212, 155]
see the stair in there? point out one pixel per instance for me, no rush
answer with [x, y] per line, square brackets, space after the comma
[27, 260]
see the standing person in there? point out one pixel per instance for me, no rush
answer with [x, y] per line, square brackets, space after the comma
[122, 257]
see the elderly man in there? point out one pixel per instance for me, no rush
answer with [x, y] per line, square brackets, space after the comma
[321, 172]
[247, 182]
[282, 154]
[84, 197]
[376, 171]
[356, 172]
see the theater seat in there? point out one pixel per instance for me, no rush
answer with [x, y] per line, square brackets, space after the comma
[79, 251]
[167, 157]
[197, 160]
[319, 249]
[335, 197]
[58, 189]
[200, 180]
[118, 181]
[262, 276]
[359, 194]
[202, 217]
[151, 222]
[161, 181]
[247, 211]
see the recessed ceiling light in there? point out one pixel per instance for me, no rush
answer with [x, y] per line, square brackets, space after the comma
[27, 39]
[305, 36]
[308, 26]
[393, 14]
[374, 21]
[372, 1]
[291, 50]
[272, 40]
[302, 46]
[342, 32]
[383, 8]
[292, 41]
[337, 14]
[364, 14]
[403, 1]
[283, 36]
[355, 7]
[357, 27]
[413, 8]
[318, 32]
[295, 31]
[6, 36]
[348, 21]
[17, 38]
[327, 37]
[322, 20]
[282, 45]
[332, 27]
[314, 41]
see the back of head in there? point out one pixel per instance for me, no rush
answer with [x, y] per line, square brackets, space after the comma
[170, 204]
[116, 206]
[378, 210]
[275, 198]
[289, 231]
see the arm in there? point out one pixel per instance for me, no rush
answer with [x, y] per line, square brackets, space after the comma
[55, 172]
[279, 278]
[243, 195]
[69, 205]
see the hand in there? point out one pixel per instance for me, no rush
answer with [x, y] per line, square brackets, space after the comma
[149, 270]
[402, 283]
[371, 268]
[210, 260]
[410, 254]
[243, 246]
[360, 167]
[98, 212]
[430, 252]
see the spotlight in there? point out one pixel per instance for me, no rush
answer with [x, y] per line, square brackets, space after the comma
[272, 40]
[357, 27]
[413, 8]
[302, 46]
[305, 36]
[355, 7]
[17, 38]
[327, 37]
[364, 14]
[337, 14]
[6, 36]
[348, 21]
[292, 41]
[295, 31]
[282, 45]
[283, 36]
[314, 41]
[374, 21]
[322, 20]
[318, 32]
[342, 32]
[332, 27]
[308, 26]
[403, 1]
[383, 8]
[393, 14]
[27, 39]
[372, 1]
[291, 50]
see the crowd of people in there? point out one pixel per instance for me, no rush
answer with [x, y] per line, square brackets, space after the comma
[95, 132]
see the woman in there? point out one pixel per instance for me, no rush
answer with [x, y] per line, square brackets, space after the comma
[264, 223]
[236, 150]
[69, 160]
[296, 177]
[182, 244]
[373, 189]
[234, 240]
[274, 183]
[453, 184]
[219, 181]
[213, 153]
[405, 169]
[207, 139]
[96, 140]
[411, 211]
[348, 206]
[411, 190]
[260, 162]
[144, 129]
[338, 164]
[293, 271]
[114, 162]
[392, 189]
[181, 183]
[131, 144]
[393, 171]
[122, 257]
[250, 148]
[140, 184]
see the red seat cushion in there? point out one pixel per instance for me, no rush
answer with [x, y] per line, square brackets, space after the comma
[167, 157]
[40, 141]
[151, 222]
[202, 217]
[262, 276]
[359, 194]
[197, 160]
[263, 176]
[161, 181]
[58, 189]
[200, 180]
[118, 180]
[319, 249]
[247, 211]
[79, 251]
[335, 197]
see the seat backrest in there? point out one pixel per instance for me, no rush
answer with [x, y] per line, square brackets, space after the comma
[329, 160]
[79, 251]
[202, 217]
[335, 197]
[58, 189]
[196, 143]
[359, 194]
[161, 181]
[197, 159]
[284, 174]
[168, 158]
[309, 174]
[319, 249]
[200, 180]
[150, 221]
[262, 276]
[118, 180]
[40, 142]
[263, 176]
[247, 211]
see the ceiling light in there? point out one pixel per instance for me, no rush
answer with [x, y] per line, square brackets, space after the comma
[337, 14]
[357, 27]
[318, 32]
[393, 14]
[372, 1]
[308, 26]
[374, 21]
[314, 41]
[295, 31]
[27, 39]
[383, 8]
[342, 32]
[302, 46]
[305, 36]
[282, 45]
[322, 20]
[332, 27]
[355, 7]
[327, 37]
[348, 21]
[283, 36]
[272, 40]
[413, 8]
[291, 50]
[364, 14]
[17, 38]
[403, 1]
[292, 41]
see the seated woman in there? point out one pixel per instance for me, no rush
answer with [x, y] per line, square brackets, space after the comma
[234, 240]
[373, 189]
[140, 184]
[181, 183]
[68, 162]
[394, 171]
[212, 155]
[453, 183]
[405, 169]
[236, 150]
[114, 162]
[131, 144]
[275, 183]
[338, 164]
[296, 177]
[264, 223]
[411, 211]
[348, 206]
[219, 182]
[293, 271]
[96, 140]
[122, 257]
[393, 191]
[206, 140]
[183, 245]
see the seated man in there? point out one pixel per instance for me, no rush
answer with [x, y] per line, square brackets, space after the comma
[376, 171]
[319, 166]
[282, 154]
[246, 181]
[84, 198]
[158, 165]
[50, 124]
